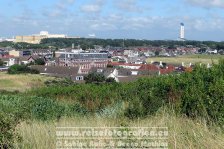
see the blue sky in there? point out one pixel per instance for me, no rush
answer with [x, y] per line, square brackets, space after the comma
[139, 19]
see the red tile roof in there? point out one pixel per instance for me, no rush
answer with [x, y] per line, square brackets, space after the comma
[8, 56]
[149, 67]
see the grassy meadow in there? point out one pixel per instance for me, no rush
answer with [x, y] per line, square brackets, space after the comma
[187, 59]
[183, 132]
[21, 82]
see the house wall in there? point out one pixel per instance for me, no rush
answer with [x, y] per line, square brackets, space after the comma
[114, 75]
[15, 53]
[84, 65]
[11, 62]
[29, 39]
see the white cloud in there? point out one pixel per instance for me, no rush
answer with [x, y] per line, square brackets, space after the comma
[127, 5]
[102, 26]
[91, 8]
[59, 9]
[118, 22]
[94, 7]
[63, 4]
[207, 3]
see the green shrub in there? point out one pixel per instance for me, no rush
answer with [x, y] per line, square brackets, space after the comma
[110, 80]
[196, 94]
[39, 61]
[1, 62]
[94, 78]
[135, 109]
[15, 105]
[46, 109]
[8, 135]
[30, 107]
[59, 82]
[18, 69]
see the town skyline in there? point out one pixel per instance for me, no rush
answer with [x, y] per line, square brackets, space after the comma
[130, 19]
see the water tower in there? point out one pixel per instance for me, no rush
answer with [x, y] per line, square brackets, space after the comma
[182, 31]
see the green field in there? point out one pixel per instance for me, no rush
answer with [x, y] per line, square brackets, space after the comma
[21, 82]
[187, 59]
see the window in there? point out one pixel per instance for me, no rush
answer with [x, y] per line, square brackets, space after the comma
[134, 73]
[99, 70]
[79, 78]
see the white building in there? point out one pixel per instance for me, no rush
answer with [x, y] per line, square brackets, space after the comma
[47, 35]
[6, 39]
[36, 38]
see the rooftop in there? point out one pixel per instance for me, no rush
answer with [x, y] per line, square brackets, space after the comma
[85, 55]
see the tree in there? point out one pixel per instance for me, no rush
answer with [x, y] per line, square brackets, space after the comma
[18, 69]
[109, 66]
[157, 53]
[110, 80]
[54, 55]
[84, 47]
[1, 63]
[40, 61]
[202, 50]
[94, 78]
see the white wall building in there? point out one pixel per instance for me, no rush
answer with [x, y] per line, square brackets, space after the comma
[47, 35]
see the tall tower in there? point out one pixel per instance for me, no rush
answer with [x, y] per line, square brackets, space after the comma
[182, 31]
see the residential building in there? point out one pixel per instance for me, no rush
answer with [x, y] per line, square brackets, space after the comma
[85, 61]
[126, 65]
[42, 52]
[19, 60]
[61, 71]
[16, 53]
[65, 51]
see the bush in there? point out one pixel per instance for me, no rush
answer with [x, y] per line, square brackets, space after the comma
[46, 109]
[18, 69]
[8, 124]
[135, 109]
[59, 82]
[199, 93]
[39, 61]
[39, 108]
[1, 63]
[94, 78]
[110, 80]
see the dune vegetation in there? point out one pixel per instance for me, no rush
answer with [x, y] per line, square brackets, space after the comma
[21, 82]
[190, 105]
[183, 132]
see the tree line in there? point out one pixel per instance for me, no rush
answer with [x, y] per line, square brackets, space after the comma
[89, 43]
